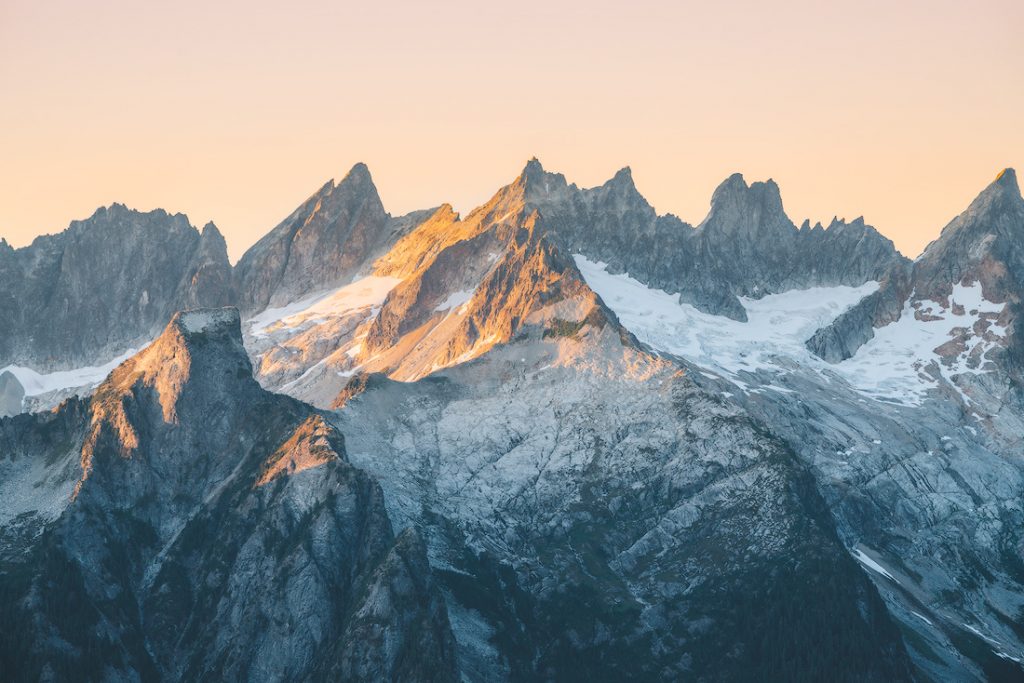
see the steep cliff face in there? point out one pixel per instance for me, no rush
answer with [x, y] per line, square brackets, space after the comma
[446, 293]
[83, 296]
[912, 431]
[632, 448]
[199, 527]
[324, 243]
[980, 249]
[745, 247]
[595, 516]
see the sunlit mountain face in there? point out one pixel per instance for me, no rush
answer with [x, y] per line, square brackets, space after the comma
[562, 437]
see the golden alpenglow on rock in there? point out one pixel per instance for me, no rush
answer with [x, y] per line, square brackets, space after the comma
[419, 407]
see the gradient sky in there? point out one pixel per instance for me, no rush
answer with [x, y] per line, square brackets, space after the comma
[898, 111]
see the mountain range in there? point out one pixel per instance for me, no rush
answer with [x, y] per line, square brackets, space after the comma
[560, 438]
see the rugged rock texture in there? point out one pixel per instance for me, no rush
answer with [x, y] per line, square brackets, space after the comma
[110, 282]
[322, 244]
[923, 486]
[592, 514]
[595, 516]
[916, 450]
[840, 339]
[983, 245]
[927, 493]
[746, 246]
[212, 531]
[714, 503]
[454, 289]
[12, 394]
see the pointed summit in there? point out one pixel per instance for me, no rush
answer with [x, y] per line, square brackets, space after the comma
[533, 186]
[208, 282]
[622, 180]
[537, 181]
[1003, 191]
[1007, 178]
[752, 210]
[211, 231]
[735, 189]
[358, 175]
[533, 166]
[981, 244]
[321, 244]
[731, 186]
[199, 353]
[212, 245]
[619, 197]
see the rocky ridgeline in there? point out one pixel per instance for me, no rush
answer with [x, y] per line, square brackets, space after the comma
[105, 284]
[983, 245]
[108, 283]
[571, 503]
[213, 531]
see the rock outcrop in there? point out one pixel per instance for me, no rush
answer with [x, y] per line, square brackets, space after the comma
[12, 394]
[770, 452]
[201, 528]
[595, 516]
[982, 246]
[745, 247]
[323, 244]
[83, 296]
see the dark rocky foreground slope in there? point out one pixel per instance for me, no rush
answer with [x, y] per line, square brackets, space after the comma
[593, 515]
[187, 525]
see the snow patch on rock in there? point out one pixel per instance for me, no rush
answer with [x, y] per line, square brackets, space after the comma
[455, 300]
[891, 363]
[889, 367]
[367, 292]
[36, 383]
[871, 564]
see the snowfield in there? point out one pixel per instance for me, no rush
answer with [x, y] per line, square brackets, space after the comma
[36, 383]
[889, 367]
[367, 292]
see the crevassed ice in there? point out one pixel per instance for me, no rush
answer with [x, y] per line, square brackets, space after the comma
[888, 367]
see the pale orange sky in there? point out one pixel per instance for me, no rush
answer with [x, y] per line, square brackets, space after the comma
[898, 111]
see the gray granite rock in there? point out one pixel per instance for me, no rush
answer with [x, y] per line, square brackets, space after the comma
[324, 243]
[984, 245]
[12, 394]
[746, 246]
[108, 283]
